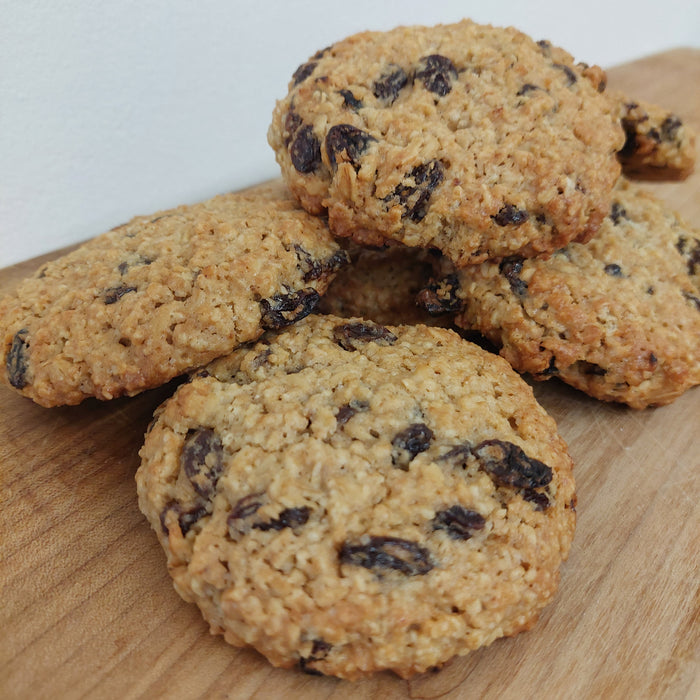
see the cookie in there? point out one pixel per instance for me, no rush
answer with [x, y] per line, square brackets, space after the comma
[163, 294]
[347, 497]
[381, 285]
[618, 317]
[472, 139]
[658, 144]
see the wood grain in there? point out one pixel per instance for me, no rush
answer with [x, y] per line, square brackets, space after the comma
[88, 609]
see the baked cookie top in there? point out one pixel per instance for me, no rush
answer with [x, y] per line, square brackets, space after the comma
[659, 145]
[618, 317]
[162, 294]
[472, 139]
[381, 285]
[347, 497]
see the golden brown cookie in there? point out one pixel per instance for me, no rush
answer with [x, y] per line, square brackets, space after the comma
[472, 139]
[347, 497]
[164, 294]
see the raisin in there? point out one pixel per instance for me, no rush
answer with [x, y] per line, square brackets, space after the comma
[391, 553]
[459, 454]
[289, 517]
[291, 123]
[350, 335]
[538, 498]
[315, 269]
[17, 360]
[303, 72]
[348, 139]
[617, 212]
[669, 128]
[459, 522]
[284, 309]
[508, 465]
[437, 73]
[551, 368]
[527, 87]
[511, 268]
[408, 443]
[305, 150]
[692, 299]
[202, 459]
[691, 251]
[186, 519]
[319, 651]
[510, 215]
[245, 507]
[114, 294]
[613, 269]
[350, 101]
[440, 297]
[545, 46]
[415, 198]
[346, 412]
[571, 77]
[390, 84]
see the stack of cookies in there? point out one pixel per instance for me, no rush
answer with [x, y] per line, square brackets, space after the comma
[345, 482]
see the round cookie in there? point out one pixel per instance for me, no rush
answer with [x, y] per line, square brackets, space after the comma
[472, 139]
[381, 285]
[347, 497]
[162, 294]
[618, 317]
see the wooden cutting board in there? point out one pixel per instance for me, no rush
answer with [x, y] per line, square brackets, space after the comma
[87, 608]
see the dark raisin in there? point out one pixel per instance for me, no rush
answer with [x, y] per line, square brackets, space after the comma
[511, 268]
[17, 361]
[436, 73]
[458, 455]
[303, 71]
[289, 517]
[508, 465]
[123, 267]
[186, 519]
[690, 251]
[202, 459]
[245, 507]
[351, 335]
[617, 212]
[669, 128]
[440, 296]
[654, 135]
[391, 553]
[349, 140]
[538, 498]
[415, 192]
[528, 87]
[291, 123]
[459, 522]
[571, 77]
[545, 46]
[315, 269]
[114, 294]
[613, 269]
[510, 215]
[346, 412]
[284, 309]
[319, 651]
[408, 443]
[390, 84]
[305, 150]
[350, 101]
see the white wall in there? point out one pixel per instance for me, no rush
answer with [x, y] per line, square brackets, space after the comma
[112, 109]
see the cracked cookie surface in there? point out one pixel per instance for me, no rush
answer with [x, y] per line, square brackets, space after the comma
[618, 317]
[472, 139]
[162, 294]
[347, 497]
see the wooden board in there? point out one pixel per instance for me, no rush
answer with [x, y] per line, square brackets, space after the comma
[88, 609]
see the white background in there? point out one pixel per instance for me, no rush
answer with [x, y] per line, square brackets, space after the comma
[113, 109]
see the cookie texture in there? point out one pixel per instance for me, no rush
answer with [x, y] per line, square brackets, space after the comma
[381, 284]
[163, 294]
[659, 145]
[347, 497]
[618, 317]
[472, 139]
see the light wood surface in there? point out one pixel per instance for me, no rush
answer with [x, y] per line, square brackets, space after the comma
[88, 610]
